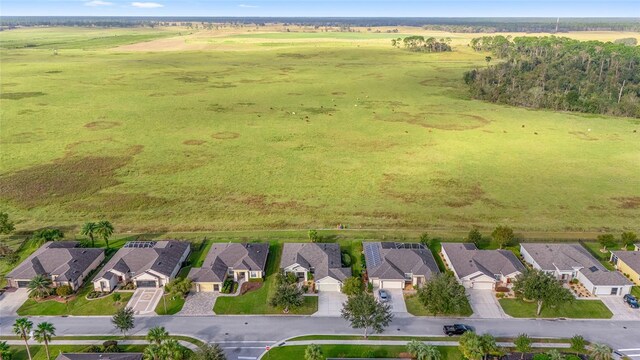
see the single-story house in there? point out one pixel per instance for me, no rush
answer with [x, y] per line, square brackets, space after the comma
[145, 263]
[322, 260]
[99, 356]
[481, 269]
[240, 262]
[392, 265]
[573, 261]
[62, 261]
[628, 263]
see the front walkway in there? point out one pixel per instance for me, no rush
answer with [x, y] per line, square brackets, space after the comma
[199, 304]
[330, 303]
[145, 300]
[485, 305]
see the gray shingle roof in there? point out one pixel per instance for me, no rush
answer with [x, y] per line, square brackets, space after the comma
[324, 258]
[222, 256]
[467, 259]
[61, 258]
[162, 258]
[396, 260]
[631, 258]
[565, 257]
[100, 356]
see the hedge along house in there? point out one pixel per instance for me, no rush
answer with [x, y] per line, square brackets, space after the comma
[145, 263]
[393, 265]
[628, 263]
[322, 262]
[230, 261]
[573, 261]
[61, 261]
[481, 269]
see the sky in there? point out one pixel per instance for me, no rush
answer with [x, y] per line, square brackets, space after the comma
[316, 8]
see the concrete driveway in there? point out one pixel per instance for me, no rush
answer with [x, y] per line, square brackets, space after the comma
[396, 300]
[620, 310]
[11, 301]
[330, 303]
[485, 305]
[145, 300]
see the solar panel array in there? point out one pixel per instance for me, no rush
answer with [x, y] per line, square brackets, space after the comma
[372, 252]
[139, 244]
[414, 246]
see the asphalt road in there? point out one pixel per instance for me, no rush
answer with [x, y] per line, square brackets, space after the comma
[245, 337]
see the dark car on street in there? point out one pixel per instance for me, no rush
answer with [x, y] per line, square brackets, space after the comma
[456, 329]
[631, 301]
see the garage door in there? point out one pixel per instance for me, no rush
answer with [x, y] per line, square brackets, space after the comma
[23, 284]
[145, 284]
[205, 287]
[328, 287]
[385, 284]
[483, 285]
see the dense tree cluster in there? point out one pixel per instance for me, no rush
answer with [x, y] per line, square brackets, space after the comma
[559, 73]
[419, 43]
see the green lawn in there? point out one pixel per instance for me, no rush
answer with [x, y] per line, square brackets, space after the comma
[635, 291]
[579, 309]
[354, 351]
[415, 307]
[257, 302]
[173, 304]
[79, 306]
[39, 353]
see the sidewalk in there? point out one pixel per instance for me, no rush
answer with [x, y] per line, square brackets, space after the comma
[186, 344]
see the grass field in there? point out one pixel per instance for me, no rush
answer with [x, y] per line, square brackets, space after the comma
[39, 353]
[334, 129]
[354, 351]
[579, 309]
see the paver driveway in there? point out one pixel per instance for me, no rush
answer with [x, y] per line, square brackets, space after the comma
[620, 310]
[330, 303]
[145, 300]
[198, 304]
[485, 305]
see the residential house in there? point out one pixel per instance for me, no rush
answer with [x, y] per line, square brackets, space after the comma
[99, 356]
[628, 263]
[573, 261]
[481, 269]
[240, 262]
[392, 265]
[61, 261]
[322, 261]
[145, 263]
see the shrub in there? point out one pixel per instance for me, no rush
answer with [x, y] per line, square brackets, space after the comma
[12, 258]
[228, 286]
[500, 295]
[346, 260]
[363, 261]
[117, 297]
[540, 357]
[94, 349]
[128, 286]
[110, 343]
[64, 290]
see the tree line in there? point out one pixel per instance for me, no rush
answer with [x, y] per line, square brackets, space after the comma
[420, 44]
[559, 73]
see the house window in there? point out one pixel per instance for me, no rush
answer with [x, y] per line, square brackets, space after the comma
[497, 276]
[408, 276]
[254, 274]
[230, 271]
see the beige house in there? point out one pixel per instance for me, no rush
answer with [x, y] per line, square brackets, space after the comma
[62, 261]
[145, 263]
[240, 262]
[392, 265]
[321, 261]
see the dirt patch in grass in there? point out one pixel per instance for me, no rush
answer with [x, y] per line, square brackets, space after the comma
[319, 110]
[64, 179]
[53, 72]
[222, 85]
[193, 79]
[194, 142]
[21, 95]
[217, 108]
[102, 125]
[436, 120]
[225, 135]
[297, 56]
[250, 286]
[628, 202]
[338, 93]
[118, 202]
[583, 135]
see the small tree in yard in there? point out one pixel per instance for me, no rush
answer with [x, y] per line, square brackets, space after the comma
[628, 238]
[363, 311]
[489, 345]
[503, 236]
[443, 295]
[523, 344]
[470, 345]
[5, 351]
[541, 287]
[6, 225]
[313, 235]
[422, 351]
[554, 354]
[180, 286]
[104, 229]
[600, 352]
[474, 237]
[209, 352]
[606, 240]
[124, 320]
[286, 297]
[43, 334]
[352, 286]
[313, 352]
[578, 344]
[116, 297]
[425, 240]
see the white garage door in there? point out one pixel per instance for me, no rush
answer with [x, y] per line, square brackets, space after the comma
[328, 287]
[387, 284]
[482, 285]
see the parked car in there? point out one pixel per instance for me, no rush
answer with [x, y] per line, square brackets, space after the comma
[631, 301]
[456, 329]
[383, 295]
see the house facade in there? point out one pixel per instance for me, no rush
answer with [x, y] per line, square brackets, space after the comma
[573, 261]
[393, 265]
[61, 261]
[240, 262]
[145, 263]
[321, 262]
[481, 269]
[628, 263]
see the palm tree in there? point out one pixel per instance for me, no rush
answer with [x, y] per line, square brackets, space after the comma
[209, 352]
[313, 352]
[39, 286]
[43, 333]
[554, 354]
[172, 350]
[88, 229]
[157, 335]
[22, 327]
[153, 352]
[5, 351]
[104, 229]
[600, 352]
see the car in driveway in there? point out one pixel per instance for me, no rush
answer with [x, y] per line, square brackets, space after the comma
[631, 301]
[456, 329]
[383, 295]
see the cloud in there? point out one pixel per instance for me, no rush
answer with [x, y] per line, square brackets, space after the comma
[98, 3]
[146, 5]
[248, 6]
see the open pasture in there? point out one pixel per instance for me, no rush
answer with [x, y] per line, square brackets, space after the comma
[292, 131]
